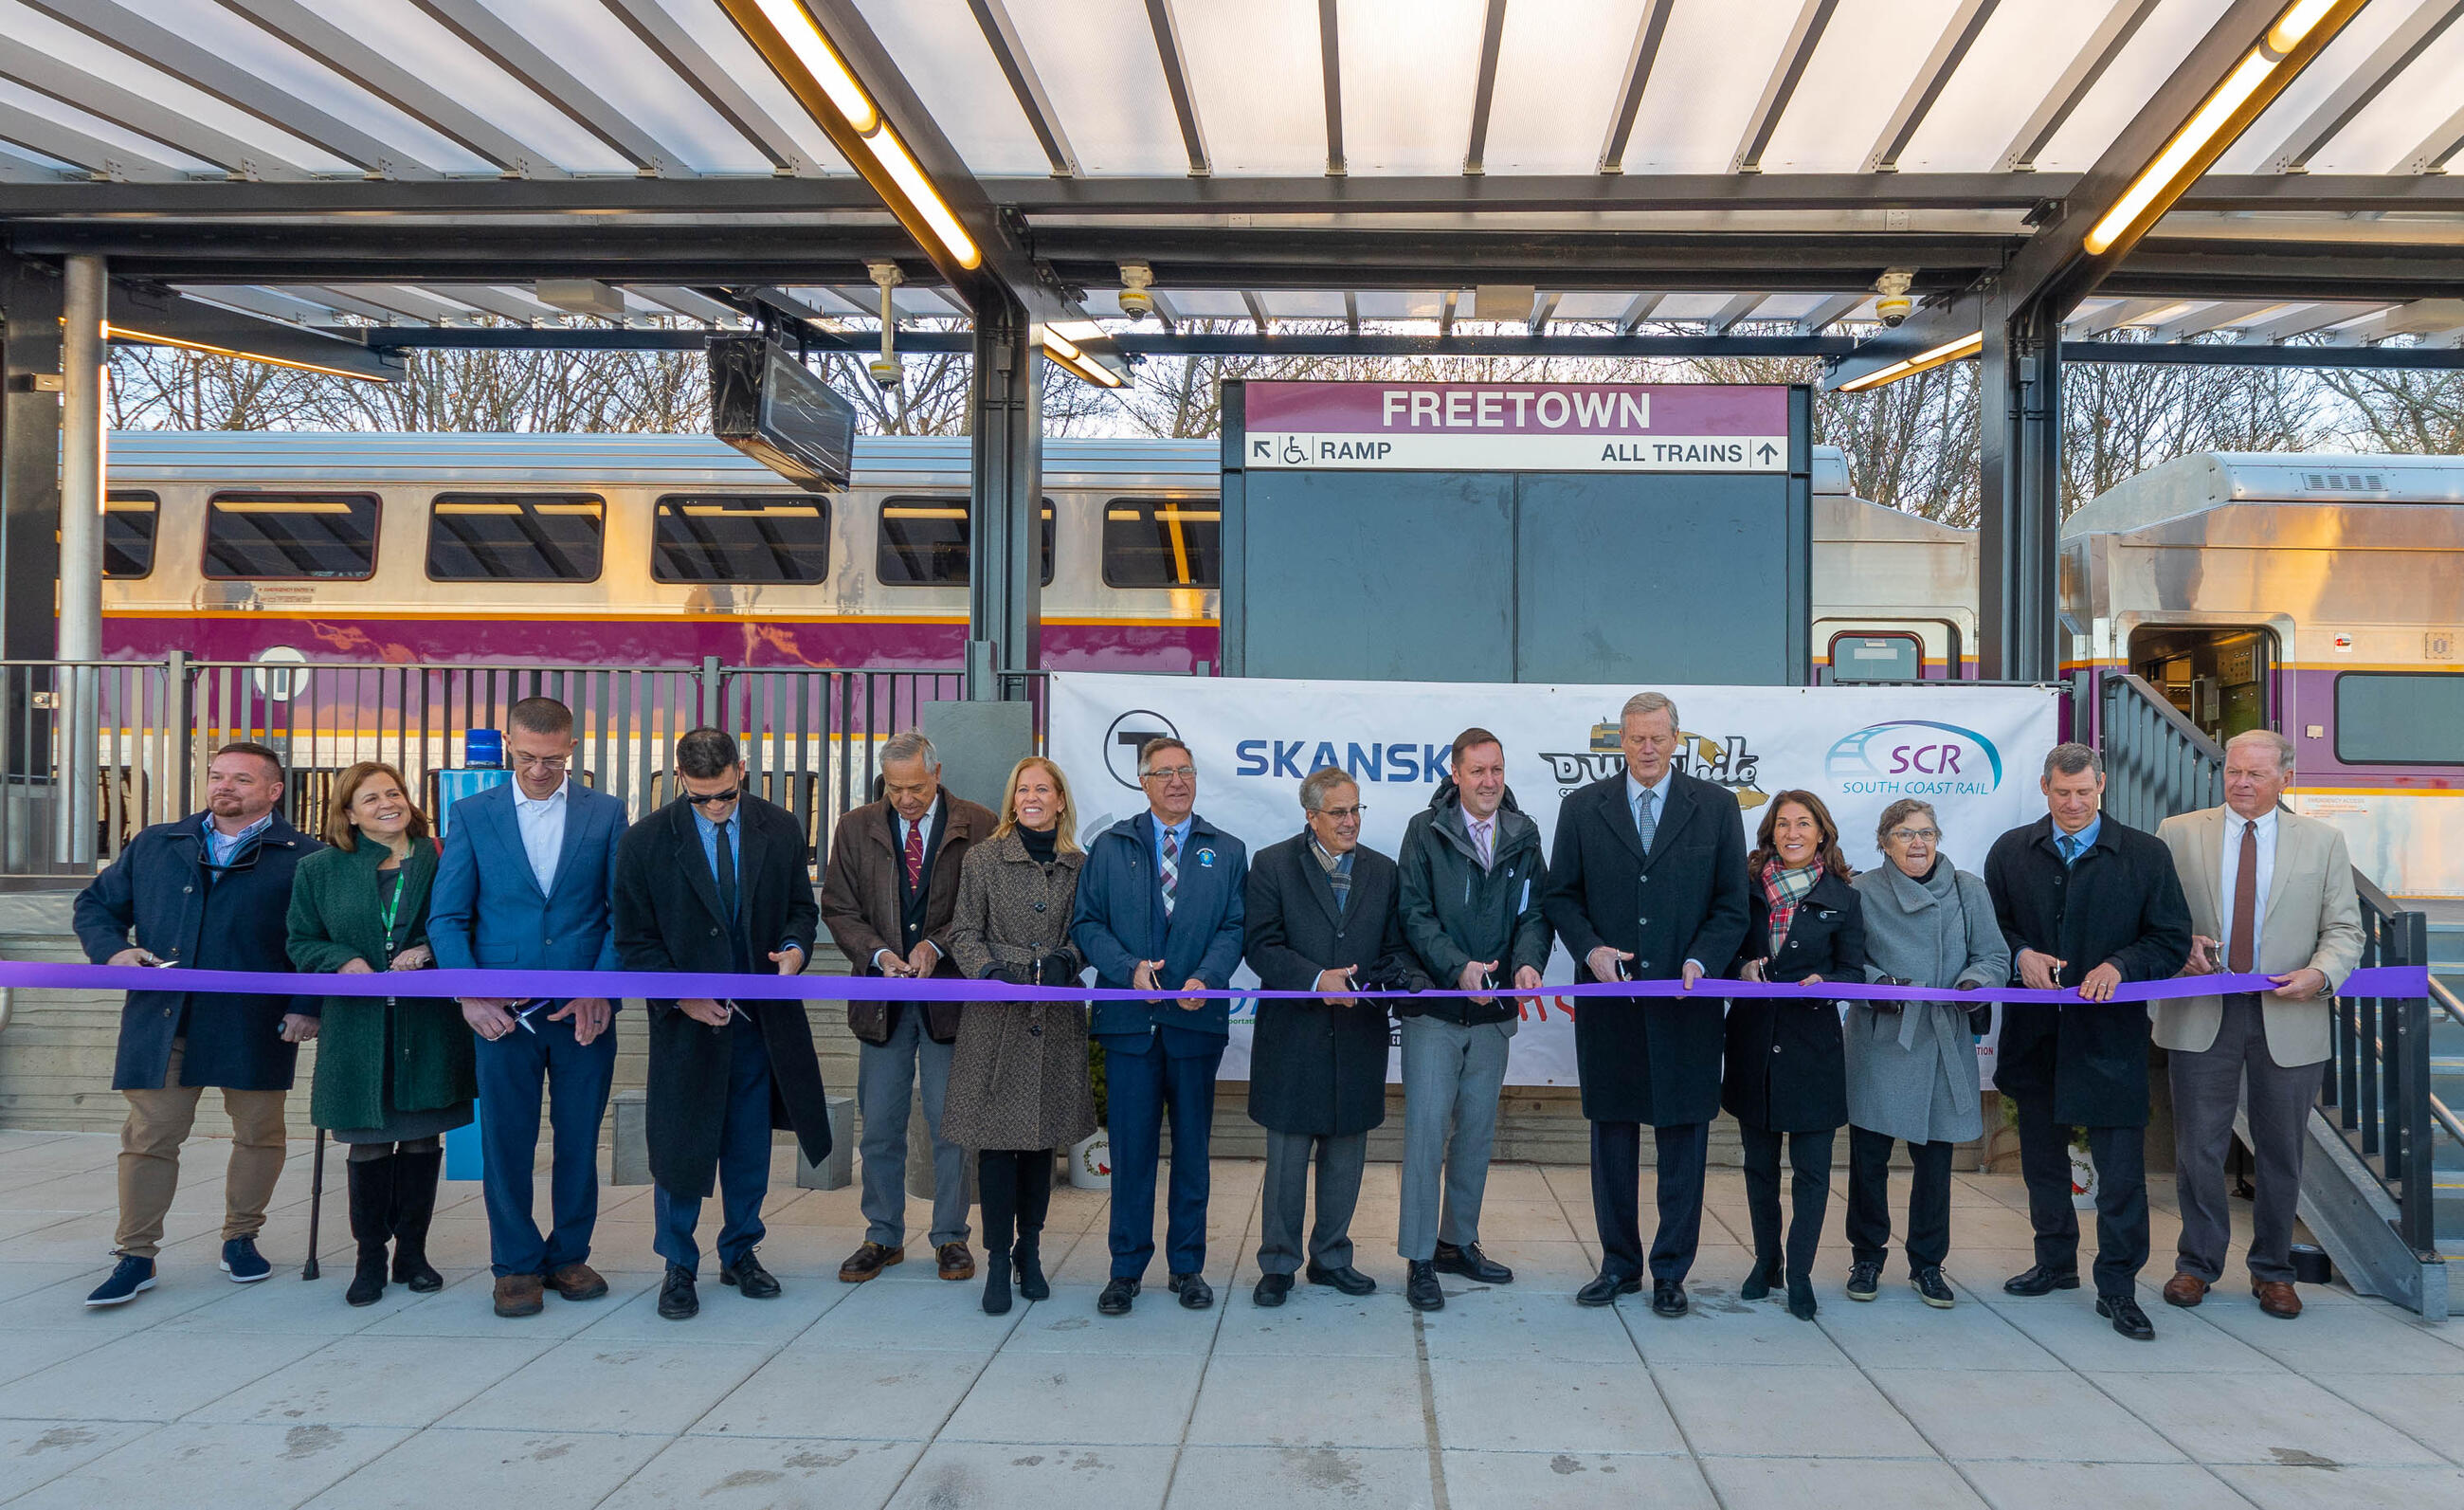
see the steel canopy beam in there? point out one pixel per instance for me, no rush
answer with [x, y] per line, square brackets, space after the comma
[1786, 74]
[2363, 85]
[2111, 35]
[137, 112]
[138, 312]
[1648, 33]
[1009, 51]
[1950, 50]
[667, 37]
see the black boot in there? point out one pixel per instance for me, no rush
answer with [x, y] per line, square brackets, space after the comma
[414, 1205]
[372, 1183]
[1034, 1200]
[997, 1192]
[996, 1284]
[1763, 1280]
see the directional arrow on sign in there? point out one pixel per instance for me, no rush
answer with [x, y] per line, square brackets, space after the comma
[1765, 455]
[1261, 450]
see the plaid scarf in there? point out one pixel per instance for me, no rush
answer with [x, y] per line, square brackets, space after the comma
[1783, 889]
[1338, 871]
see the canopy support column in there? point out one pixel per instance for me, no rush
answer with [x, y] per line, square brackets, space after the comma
[1004, 505]
[2019, 411]
[29, 458]
[84, 294]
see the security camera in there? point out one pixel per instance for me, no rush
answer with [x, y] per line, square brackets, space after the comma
[1895, 305]
[1893, 310]
[887, 370]
[1136, 280]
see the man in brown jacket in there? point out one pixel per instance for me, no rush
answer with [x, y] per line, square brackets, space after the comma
[886, 898]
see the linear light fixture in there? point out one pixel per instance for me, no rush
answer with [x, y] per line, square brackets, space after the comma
[1063, 353]
[2204, 135]
[802, 42]
[147, 338]
[1949, 351]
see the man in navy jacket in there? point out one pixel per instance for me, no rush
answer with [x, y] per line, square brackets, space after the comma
[526, 883]
[1159, 905]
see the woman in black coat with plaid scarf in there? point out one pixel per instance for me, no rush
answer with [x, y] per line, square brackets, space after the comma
[1786, 1068]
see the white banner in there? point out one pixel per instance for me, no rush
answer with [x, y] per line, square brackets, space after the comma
[1973, 752]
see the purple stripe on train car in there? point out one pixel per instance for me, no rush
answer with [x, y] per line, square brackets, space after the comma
[2313, 703]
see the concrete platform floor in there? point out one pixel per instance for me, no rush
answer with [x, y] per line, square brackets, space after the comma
[902, 1392]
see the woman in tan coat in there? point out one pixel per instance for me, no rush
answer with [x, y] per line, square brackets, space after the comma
[1018, 1077]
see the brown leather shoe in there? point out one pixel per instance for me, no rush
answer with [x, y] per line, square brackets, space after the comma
[870, 1260]
[2277, 1298]
[2185, 1290]
[956, 1264]
[577, 1281]
[520, 1295]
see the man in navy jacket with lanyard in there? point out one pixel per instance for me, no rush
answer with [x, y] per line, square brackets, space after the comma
[1159, 907]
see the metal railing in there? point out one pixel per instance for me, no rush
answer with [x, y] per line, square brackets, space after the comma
[2377, 1089]
[95, 751]
[2157, 763]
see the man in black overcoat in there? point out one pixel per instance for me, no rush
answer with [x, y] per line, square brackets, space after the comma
[716, 883]
[2087, 903]
[1321, 917]
[1647, 881]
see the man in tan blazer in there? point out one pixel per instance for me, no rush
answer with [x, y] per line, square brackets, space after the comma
[2273, 892]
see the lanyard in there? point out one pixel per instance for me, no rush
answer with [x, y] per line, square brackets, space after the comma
[389, 907]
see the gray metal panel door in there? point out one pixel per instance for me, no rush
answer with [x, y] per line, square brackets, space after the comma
[1382, 577]
[1678, 578]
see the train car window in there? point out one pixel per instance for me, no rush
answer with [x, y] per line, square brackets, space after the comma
[128, 520]
[1876, 658]
[2385, 717]
[515, 537]
[703, 537]
[928, 542]
[1163, 542]
[291, 536]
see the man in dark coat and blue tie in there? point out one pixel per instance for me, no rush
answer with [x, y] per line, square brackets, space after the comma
[1159, 905]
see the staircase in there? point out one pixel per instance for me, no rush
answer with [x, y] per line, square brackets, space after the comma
[2447, 1068]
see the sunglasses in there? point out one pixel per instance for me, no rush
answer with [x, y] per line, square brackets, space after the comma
[714, 799]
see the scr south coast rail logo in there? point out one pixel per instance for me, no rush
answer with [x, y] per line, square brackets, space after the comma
[1915, 758]
[1722, 761]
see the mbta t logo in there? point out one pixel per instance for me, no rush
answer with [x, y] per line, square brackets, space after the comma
[1128, 734]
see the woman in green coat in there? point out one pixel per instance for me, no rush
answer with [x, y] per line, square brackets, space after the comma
[393, 1074]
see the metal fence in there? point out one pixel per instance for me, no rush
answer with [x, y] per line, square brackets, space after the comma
[2378, 1090]
[95, 751]
[2157, 763]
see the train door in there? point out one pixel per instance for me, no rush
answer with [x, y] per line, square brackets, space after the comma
[2217, 675]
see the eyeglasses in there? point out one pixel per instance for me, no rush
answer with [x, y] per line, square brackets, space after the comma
[714, 799]
[1914, 835]
[542, 763]
[1338, 814]
[1171, 773]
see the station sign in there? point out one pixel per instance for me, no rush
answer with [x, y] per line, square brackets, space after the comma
[1515, 427]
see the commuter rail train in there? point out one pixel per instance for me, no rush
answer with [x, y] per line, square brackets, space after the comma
[2321, 595]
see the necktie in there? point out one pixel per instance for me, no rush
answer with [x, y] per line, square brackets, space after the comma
[1645, 823]
[2240, 952]
[915, 855]
[725, 855]
[2070, 849]
[1482, 841]
[1171, 870]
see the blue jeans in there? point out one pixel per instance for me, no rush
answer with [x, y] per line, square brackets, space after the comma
[513, 1071]
[1143, 1082]
[744, 1163]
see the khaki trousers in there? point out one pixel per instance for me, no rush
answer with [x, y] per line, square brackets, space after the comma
[149, 1158]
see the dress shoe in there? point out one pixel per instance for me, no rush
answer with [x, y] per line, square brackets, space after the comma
[577, 1281]
[1932, 1289]
[751, 1280]
[953, 1261]
[520, 1295]
[1865, 1281]
[1421, 1288]
[2277, 1298]
[1272, 1289]
[2041, 1280]
[1026, 1258]
[678, 1300]
[1604, 1290]
[1765, 1278]
[1471, 1263]
[1118, 1295]
[2185, 1290]
[1668, 1298]
[1800, 1297]
[1195, 1294]
[868, 1261]
[2127, 1317]
[996, 1284]
[1347, 1278]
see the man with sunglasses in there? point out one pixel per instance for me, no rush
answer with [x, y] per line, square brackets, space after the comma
[525, 884]
[210, 892]
[717, 884]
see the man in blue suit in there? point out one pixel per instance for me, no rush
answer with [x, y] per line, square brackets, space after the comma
[526, 883]
[1160, 899]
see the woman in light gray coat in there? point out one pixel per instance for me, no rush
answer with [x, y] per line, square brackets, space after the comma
[1912, 1066]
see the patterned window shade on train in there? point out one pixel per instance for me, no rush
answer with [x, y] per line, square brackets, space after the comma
[755, 538]
[275, 537]
[1163, 542]
[929, 542]
[128, 520]
[515, 537]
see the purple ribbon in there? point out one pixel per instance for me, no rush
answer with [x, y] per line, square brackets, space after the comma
[2398, 981]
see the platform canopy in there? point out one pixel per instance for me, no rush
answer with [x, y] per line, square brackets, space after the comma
[1581, 175]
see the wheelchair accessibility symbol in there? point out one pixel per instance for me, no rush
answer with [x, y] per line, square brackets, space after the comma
[1294, 453]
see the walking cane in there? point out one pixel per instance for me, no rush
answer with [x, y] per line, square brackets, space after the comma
[316, 1203]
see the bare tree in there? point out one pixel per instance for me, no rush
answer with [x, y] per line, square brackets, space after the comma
[2403, 412]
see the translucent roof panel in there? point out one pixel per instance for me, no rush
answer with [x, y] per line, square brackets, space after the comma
[1393, 305]
[1097, 59]
[709, 26]
[2172, 30]
[2351, 47]
[1858, 72]
[1256, 72]
[1713, 62]
[944, 54]
[2015, 62]
[1287, 304]
[1410, 71]
[1558, 70]
[144, 149]
[1204, 303]
[585, 37]
[2415, 103]
[1593, 306]
[417, 41]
